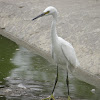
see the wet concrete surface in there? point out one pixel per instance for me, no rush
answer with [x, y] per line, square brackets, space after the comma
[20, 94]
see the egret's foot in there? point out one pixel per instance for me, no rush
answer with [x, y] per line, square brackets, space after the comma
[50, 98]
[69, 98]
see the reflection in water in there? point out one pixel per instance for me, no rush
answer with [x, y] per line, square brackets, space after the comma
[35, 73]
[30, 76]
[2, 97]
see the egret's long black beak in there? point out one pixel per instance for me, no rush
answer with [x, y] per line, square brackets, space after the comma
[38, 16]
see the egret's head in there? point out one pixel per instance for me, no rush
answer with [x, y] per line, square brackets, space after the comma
[48, 11]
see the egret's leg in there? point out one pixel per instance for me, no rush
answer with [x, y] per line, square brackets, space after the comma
[56, 80]
[52, 97]
[67, 82]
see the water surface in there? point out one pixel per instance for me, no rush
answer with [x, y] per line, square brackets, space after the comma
[24, 75]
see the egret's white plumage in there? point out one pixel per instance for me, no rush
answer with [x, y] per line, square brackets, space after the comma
[63, 52]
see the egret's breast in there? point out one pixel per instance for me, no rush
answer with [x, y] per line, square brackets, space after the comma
[59, 56]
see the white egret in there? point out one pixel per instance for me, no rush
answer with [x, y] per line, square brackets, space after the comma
[63, 52]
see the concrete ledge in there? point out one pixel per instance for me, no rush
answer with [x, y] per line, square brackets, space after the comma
[78, 23]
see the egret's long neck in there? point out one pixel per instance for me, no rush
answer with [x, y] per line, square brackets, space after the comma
[53, 29]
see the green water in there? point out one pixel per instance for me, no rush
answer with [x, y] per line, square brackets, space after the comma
[34, 77]
[7, 50]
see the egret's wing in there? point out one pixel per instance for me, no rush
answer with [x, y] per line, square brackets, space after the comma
[69, 54]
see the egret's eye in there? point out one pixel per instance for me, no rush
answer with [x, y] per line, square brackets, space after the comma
[47, 12]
